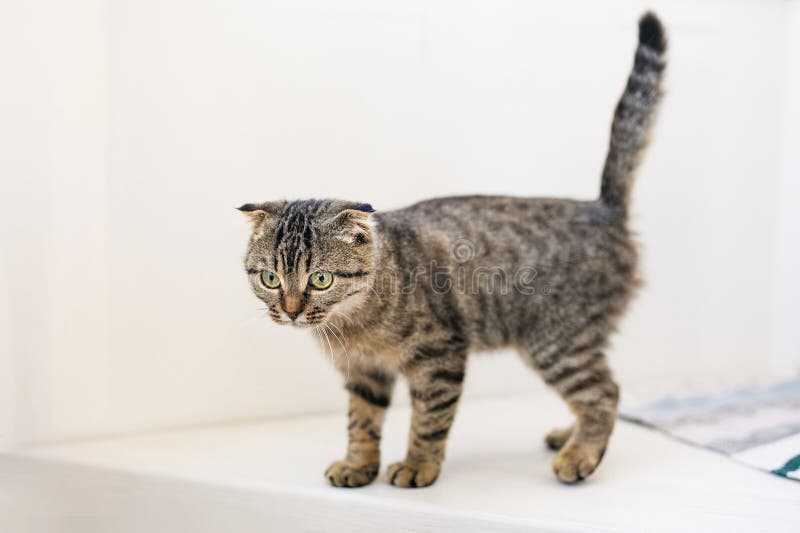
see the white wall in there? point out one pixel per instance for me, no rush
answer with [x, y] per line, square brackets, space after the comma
[136, 127]
[785, 335]
[53, 139]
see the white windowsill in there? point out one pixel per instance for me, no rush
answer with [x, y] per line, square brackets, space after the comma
[267, 476]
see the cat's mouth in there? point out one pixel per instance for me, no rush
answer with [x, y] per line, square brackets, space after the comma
[300, 322]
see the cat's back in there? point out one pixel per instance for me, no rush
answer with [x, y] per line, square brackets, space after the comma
[506, 262]
[485, 209]
[485, 226]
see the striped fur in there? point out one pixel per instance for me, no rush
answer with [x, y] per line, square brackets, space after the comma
[416, 290]
[634, 114]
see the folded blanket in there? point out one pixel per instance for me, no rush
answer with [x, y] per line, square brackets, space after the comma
[756, 426]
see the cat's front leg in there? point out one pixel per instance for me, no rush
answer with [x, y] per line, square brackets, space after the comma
[435, 377]
[370, 394]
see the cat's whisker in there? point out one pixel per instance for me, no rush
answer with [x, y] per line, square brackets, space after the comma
[342, 342]
[328, 340]
[344, 349]
[250, 321]
[347, 356]
[331, 324]
[318, 333]
[344, 316]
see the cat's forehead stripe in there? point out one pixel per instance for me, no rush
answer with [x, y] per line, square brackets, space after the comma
[294, 236]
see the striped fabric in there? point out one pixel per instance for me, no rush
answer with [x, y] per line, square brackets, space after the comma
[759, 427]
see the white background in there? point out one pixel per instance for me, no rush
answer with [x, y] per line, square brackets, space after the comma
[130, 131]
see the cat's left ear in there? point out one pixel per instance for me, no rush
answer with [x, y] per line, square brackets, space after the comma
[353, 225]
[258, 213]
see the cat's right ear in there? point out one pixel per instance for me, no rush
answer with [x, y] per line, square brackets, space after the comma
[258, 213]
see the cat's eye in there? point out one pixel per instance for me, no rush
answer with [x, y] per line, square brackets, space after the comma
[321, 280]
[270, 279]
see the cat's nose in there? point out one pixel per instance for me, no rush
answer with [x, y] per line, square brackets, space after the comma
[292, 306]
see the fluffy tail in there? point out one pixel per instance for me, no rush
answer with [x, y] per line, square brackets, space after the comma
[635, 113]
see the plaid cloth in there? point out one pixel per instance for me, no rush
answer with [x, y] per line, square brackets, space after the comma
[759, 427]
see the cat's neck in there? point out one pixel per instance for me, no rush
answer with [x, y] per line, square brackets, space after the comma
[375, 297]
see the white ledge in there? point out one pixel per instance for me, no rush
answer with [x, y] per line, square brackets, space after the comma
[267, 476]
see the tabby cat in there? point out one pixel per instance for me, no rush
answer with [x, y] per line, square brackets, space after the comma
[412, 292]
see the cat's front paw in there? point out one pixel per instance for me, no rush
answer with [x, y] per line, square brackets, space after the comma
[347, 474]
[576, 461]
[412, 475]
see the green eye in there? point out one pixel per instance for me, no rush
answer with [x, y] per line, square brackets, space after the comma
[270, 280]
[321, 280]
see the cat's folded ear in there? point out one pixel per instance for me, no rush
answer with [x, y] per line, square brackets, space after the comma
[258, 213]
[352, 225]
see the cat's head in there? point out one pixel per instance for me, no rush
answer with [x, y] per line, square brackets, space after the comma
[308, 260]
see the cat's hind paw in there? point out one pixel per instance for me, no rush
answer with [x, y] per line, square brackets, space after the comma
[412, 475]
[347, 474]
[558, 437]
[576, 461]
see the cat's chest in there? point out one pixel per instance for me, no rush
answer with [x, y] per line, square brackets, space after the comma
[369, 350]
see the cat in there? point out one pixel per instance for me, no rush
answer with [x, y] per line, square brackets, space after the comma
[413, 291]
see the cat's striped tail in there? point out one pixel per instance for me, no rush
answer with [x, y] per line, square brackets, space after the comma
[634, 114]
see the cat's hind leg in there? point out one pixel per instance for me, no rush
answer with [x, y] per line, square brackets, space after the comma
[578, 372]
